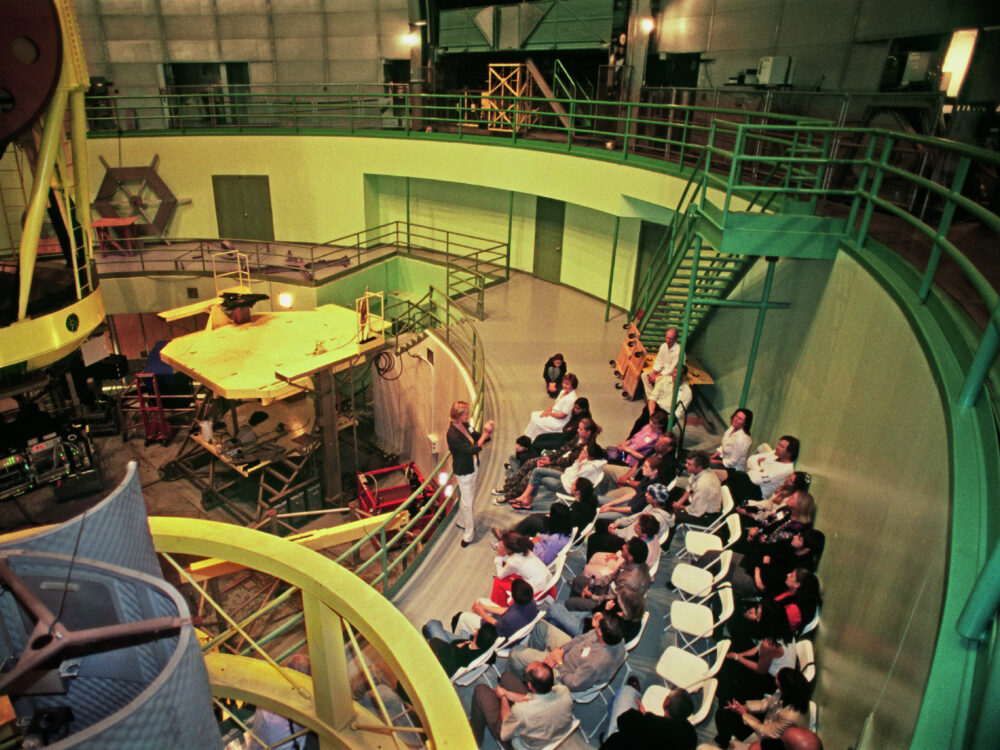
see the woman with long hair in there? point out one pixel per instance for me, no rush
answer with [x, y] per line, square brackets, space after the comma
[552, 373]
[556, 416]
[551, 440]
[465, 443]
[516, 558]
[735, 447]
[768, 717]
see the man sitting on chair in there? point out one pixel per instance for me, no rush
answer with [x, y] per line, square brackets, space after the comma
[702, 502]
[523, 715]
[639, 728]
[578, 663]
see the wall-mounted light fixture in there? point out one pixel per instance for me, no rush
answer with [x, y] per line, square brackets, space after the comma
[957, 59]
[646, 25]
[285, 300]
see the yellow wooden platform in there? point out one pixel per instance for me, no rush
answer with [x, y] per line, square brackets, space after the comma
[256, 360]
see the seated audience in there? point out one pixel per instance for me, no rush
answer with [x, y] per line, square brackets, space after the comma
[765, 472]
[556, 416]
[610, 536]
[768, 717]
[561, 518]
[632, 450]
[750, 673]
[702, 502]
[627, 603]
[579, 663]
[544, 482]
[732, 453]
[766, 576]
[458, 654]
[514, 485]
[523, 715]
[606, 573]
[758, 512]
[550, 441]
[523, 452]
[638, 728]
[515, 558]
[553, 372]
[507, 620]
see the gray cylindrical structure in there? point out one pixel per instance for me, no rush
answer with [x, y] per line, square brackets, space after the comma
[97, 570]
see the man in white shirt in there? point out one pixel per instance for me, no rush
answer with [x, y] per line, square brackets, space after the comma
[702, 502]
[666, 358]
[765, 472]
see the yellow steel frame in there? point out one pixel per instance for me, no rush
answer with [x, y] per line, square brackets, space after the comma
[335, 603]
[509, 84]
[41, 341]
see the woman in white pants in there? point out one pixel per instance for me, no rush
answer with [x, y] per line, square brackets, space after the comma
[465, 443]
[556, 416]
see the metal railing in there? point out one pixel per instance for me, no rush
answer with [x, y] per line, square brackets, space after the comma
[476, 260]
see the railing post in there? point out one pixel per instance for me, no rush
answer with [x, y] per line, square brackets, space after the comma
[943, 226]
[980, 367]
[866, 220]
[611, 274]
[628, 130]
[734, 171]
[758, 329]
[572, 123]
[859, 188]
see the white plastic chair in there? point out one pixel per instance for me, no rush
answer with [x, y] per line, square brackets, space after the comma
[597, 691]
[692, 622]
[653, 565]
[698, 543]
[652, 700]
[477, 667]
[680, 668]
[554, 578]
[812, 625]
[696, 584]
[805, 659]
[563, 737]
[727, 507]
[638, 636]
[519, 635]
[566, 548]
[579, 542]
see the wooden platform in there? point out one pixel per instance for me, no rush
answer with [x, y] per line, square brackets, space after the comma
[272, 355]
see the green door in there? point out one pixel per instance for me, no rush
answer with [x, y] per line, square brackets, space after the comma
[650, 237]
[549, 218]
[243, 206]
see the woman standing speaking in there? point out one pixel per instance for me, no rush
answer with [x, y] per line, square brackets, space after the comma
[465, 444]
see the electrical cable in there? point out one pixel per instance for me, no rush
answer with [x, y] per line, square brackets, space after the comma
[385, 363]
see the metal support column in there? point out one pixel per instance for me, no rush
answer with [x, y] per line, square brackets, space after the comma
[326, 416]
[611, 274]
[764, 299]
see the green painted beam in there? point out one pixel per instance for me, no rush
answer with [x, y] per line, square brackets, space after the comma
[781, 235]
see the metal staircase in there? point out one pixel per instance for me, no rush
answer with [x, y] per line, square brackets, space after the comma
[707, 250]
[661, 302]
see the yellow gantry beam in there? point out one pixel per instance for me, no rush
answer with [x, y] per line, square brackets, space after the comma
[346, 533]
[330, 594]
